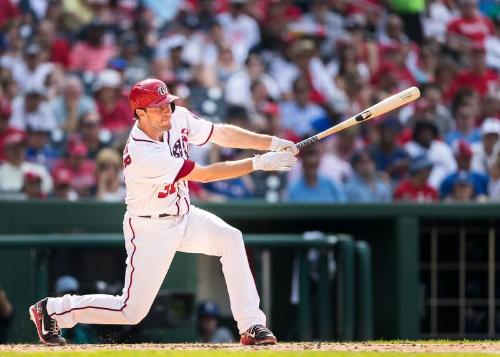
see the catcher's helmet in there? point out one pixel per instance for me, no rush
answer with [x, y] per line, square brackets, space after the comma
[150, 93]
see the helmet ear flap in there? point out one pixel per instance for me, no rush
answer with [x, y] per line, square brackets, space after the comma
[172, 106]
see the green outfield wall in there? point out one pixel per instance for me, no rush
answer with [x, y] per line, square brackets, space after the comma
[391, 230]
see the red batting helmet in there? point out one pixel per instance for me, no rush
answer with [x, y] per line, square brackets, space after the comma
[149, 93]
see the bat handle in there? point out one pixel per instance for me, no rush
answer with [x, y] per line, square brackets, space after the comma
[307, 141]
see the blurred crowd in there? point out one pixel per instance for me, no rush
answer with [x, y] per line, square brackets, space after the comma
[280, 67]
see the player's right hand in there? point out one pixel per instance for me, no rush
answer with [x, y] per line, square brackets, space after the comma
[274, 161]
[278, 144]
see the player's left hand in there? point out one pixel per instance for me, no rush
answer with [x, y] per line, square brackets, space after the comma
[278, 144]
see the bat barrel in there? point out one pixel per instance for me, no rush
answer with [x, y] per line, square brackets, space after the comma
[393, 102]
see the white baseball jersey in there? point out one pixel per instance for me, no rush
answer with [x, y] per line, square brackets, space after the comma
[153, 169]
[153, 175]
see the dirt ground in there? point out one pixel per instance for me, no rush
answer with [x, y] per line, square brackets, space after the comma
[450, 347]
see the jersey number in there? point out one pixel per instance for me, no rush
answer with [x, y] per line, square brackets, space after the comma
[169, 189]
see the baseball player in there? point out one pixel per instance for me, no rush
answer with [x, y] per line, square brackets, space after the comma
[160, 219]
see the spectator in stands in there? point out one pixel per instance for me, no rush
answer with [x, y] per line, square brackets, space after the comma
[486, 150]
[15, 166]
[72, 104]
[423, 64]
[56, 46]
[12, 47]
[320, 20]
[358, 32]
[463, 189]
[137, 67]
[425, 142]
[490, 107]
[388, 155]
[8, 85]
[170, 60]
[463, 155]
[234, 189]
[208, 324]
[429, 106]
[110, 186]
[465, 129]
[308, 65]
[32, 70]
[476, 75]
[466, 97]
[112, 105]
[345, 143]
[300, 114]
[331, 166]
[366, 185]
[410, 13]
[92, 134]
[353, 78]
[6, 309]
[39, 147]
[32, 186]
[32, 110]
[259, 96]
[393, 32]
[62, 185]
[470, 28]
[219, 72]
[312, 187]
[83, 179]
[241, 30]
[435, 21]
[8, 11]
[393, 74]
[59, 51]
[494, 186]
[237, 91]
[91, 53]
[444, 76]
[415, 188]
[5, 128]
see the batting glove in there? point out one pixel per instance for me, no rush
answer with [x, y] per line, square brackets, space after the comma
[274, 161]
[278, 144]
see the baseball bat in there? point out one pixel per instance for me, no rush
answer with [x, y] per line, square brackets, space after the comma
[393, 102]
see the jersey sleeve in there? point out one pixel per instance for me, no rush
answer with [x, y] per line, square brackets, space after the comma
[158, 168]
[200, 130]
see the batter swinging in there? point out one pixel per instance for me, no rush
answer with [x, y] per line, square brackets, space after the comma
[160, 219]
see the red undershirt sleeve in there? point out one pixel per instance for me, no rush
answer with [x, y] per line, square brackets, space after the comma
[185, 170]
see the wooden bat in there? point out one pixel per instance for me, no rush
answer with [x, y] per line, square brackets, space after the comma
[393, 102]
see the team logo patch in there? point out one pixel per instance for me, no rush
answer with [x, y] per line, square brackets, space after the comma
[162, 90]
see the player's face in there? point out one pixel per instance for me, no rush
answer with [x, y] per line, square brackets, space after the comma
[160, 118]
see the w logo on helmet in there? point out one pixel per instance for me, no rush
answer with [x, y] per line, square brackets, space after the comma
[163, 90]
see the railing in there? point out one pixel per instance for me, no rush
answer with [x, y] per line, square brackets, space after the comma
[263, 244]
[459, 271]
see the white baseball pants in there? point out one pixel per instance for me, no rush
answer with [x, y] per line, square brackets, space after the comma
[151, 245]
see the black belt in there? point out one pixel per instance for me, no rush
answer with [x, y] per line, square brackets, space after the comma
[160, 215]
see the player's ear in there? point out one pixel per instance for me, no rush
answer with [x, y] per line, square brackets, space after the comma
[140, 113]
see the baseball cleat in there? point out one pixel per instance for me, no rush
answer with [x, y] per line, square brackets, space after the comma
[46, 327]
[258, 335]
